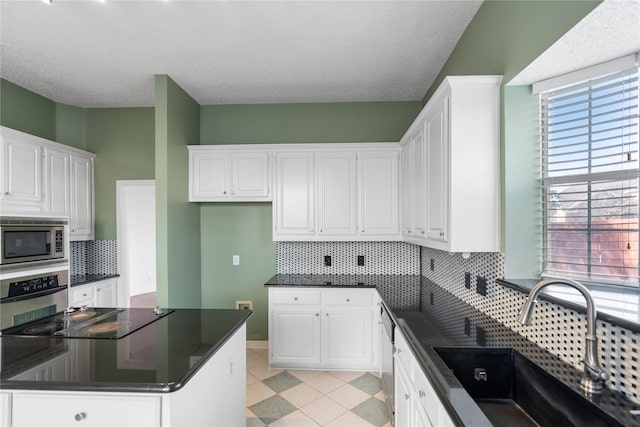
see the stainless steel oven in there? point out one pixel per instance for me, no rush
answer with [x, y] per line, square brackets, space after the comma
[29, 296]
[32, 241]
[388, 329]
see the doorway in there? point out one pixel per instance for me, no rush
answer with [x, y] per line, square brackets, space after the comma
[136, 229]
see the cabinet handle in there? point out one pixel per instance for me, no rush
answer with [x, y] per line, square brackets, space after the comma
[348, 300]
[224, 192]
[422, 232]
[422, 393]
[317, 314]
[295, 299]
[80, 416]
[407, 396]
[408, 231]
[6, 193]
[442, 234]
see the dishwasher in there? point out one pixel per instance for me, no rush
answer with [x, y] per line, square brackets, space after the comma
[388, 327]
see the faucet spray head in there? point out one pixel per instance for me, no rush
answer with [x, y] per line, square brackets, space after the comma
[525, 313]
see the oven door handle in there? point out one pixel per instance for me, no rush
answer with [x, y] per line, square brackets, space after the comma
[32, 296]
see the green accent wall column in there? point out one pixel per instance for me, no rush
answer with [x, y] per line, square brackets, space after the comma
[177, 124]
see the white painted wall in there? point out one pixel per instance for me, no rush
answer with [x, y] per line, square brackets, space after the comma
[136, 201]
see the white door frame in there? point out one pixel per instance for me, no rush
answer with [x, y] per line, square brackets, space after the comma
[123, 255]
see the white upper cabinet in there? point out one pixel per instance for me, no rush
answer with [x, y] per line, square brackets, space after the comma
[413, 182]
[348, 192]
[81, 219]
[59, 182]
[294, 201]
[22, 171]
[337, 188]
[47, 178]
[378, 202]
[229, 174]
[460, 168]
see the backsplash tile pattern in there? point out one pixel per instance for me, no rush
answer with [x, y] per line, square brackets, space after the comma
[94, 257]
[555, 328]
[379, 258]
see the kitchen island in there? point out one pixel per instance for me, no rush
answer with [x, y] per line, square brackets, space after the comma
[187, 368]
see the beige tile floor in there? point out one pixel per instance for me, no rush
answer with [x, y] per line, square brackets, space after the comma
[278, 398]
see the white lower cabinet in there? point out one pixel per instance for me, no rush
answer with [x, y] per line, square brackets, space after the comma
[324, 328]
[97, 294]
[417, 404]
[5, 409]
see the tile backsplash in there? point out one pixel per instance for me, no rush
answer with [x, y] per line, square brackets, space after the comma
[557, 329]
[94, 257]
[379, 258]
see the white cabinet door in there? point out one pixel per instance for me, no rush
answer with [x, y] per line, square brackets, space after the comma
[106, 293]
[406, 188]
[337, 193]
[81, 219]
[250, 175]
[418, 152]
[378, 201]
[347, 338]
[296, 337]
[437, 171]
[208, 175]
[295, 196]
[98, 409]
[403, 398]
[58, 182]
[5, 409]
[22, 180]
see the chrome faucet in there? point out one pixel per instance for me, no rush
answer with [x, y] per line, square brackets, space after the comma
[594, 376]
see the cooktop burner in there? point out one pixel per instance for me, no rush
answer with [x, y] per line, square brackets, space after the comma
[104, 323]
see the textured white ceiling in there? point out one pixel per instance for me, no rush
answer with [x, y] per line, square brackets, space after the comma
[610, 31]
[93, 54]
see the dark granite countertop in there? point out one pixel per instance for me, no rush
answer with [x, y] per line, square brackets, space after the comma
[159, 358]
[83, 279]
[431, 317]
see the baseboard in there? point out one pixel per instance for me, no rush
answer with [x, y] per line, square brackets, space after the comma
[258, 344]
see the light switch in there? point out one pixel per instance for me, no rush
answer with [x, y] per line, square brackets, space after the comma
[236, 260]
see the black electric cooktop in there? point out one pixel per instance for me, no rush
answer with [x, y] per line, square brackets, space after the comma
[87, 322]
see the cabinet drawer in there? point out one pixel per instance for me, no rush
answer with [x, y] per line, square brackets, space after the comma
[348, 298]
[67, 409]
[82, 295]
[403, 352]
[296, 297]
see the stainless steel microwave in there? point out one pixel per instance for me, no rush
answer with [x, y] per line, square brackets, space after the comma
[35, 239]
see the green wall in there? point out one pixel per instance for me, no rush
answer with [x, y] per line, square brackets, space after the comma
[177, 124]
[302, 123]
[27, 111]
[503, 38]
[123, 140]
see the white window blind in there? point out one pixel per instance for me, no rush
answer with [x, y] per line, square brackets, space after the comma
[590, 175]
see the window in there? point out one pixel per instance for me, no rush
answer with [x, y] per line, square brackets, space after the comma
[590, 175]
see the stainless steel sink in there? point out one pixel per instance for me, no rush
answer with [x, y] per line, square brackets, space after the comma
[513, 391]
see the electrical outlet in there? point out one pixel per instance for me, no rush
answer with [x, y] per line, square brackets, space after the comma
[327, 260]
[432, 265]
[244, 305]
[236, 260]
[361, 260]
[467, 280]
[481, 285]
